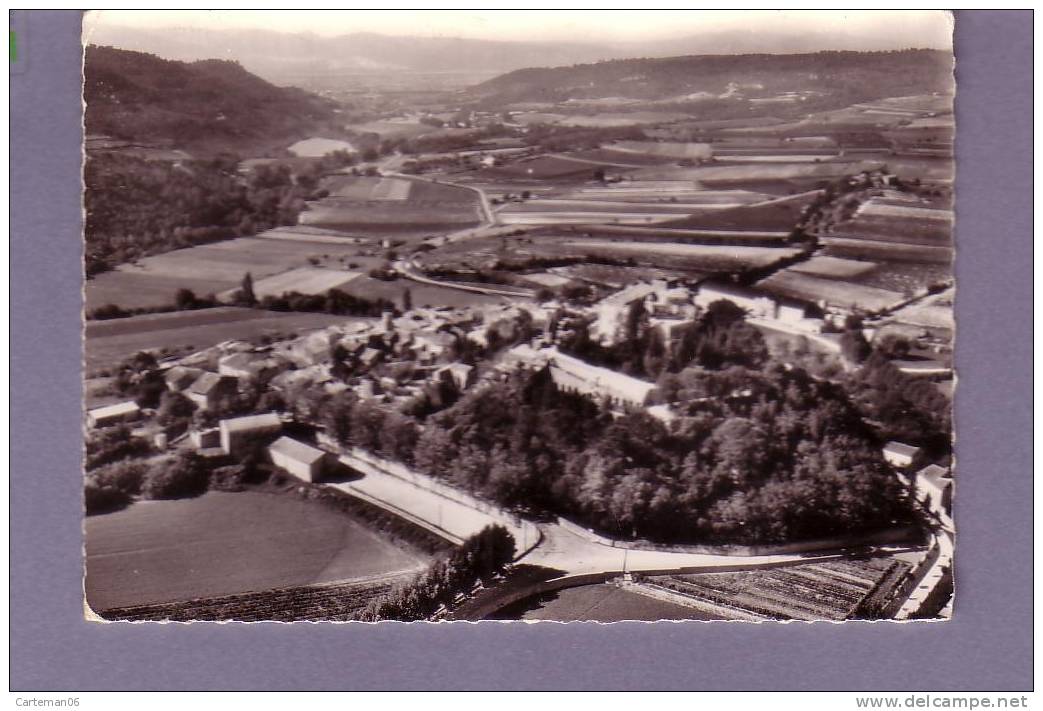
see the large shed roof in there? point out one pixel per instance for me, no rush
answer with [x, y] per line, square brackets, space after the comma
[297, 450]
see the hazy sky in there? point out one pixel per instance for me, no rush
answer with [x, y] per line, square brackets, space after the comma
[920, 28]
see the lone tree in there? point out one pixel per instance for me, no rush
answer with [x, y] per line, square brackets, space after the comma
[248, 296]
[407, 300]
[185, 299]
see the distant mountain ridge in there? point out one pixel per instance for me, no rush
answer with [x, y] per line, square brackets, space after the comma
[207, 105]
[843, 77]
[278, 55]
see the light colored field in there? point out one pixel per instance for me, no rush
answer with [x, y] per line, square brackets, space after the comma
[665, 149]
[843, 294]
[223, 543]
[303, 280]
[675, 192]
[107, 343]
[630, 118]
[746, 255]
[386, 129]
[777, 171]
[545, 279]
[929, 314]
[879, 209]
[833, 267]
[231, 259]
[318, 147]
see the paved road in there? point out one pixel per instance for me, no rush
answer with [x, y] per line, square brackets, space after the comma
[447, 517]
[559, 548]
[407, 270]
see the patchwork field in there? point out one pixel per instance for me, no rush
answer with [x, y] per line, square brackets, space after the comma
[601, 120]
[304, 280]
[368, 188]
[710, 256]
[842, 294]
[225, 543]
[665, 149]
[543, 168]
[389, 206]
[754, 173]
[210, 269]
[833, 267]
[598, 603]
[107, 343]
[130, 289]
[905, 277]
[875, 249]
[610, 157]
[422, 294]
[837, 590]
[781, 214]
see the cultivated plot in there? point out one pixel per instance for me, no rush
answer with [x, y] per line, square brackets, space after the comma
[222, 543]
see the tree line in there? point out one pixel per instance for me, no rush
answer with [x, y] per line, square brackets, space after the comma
[478, 558]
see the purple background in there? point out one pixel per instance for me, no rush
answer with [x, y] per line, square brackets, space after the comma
[986, 647]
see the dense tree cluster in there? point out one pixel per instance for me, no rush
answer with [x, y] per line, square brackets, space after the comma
[480, 557]
[333, 301]
[136, 207]
[905, 408]
[113, 444]
[363, 423]
[757, 456]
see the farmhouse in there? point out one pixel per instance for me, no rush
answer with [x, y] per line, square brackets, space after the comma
[900, 455]
[238, 365]
[113, 414]
[210, 390]
[659, 298]
[209, 438]
[460, 374]
[239, 432]
[301, 460]
[432, 345]
[573, 375]
[370, 357]
[180, 377]
[934, 486]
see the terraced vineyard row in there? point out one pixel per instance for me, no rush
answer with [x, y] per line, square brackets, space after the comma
[335, 602]
[837, 590]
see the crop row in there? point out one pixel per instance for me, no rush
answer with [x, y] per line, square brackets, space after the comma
[315, 602]
[834, 591]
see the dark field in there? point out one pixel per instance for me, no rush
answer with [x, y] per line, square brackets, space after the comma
[598, 603]
[225, 543]
[836, 590]
[780, 214]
